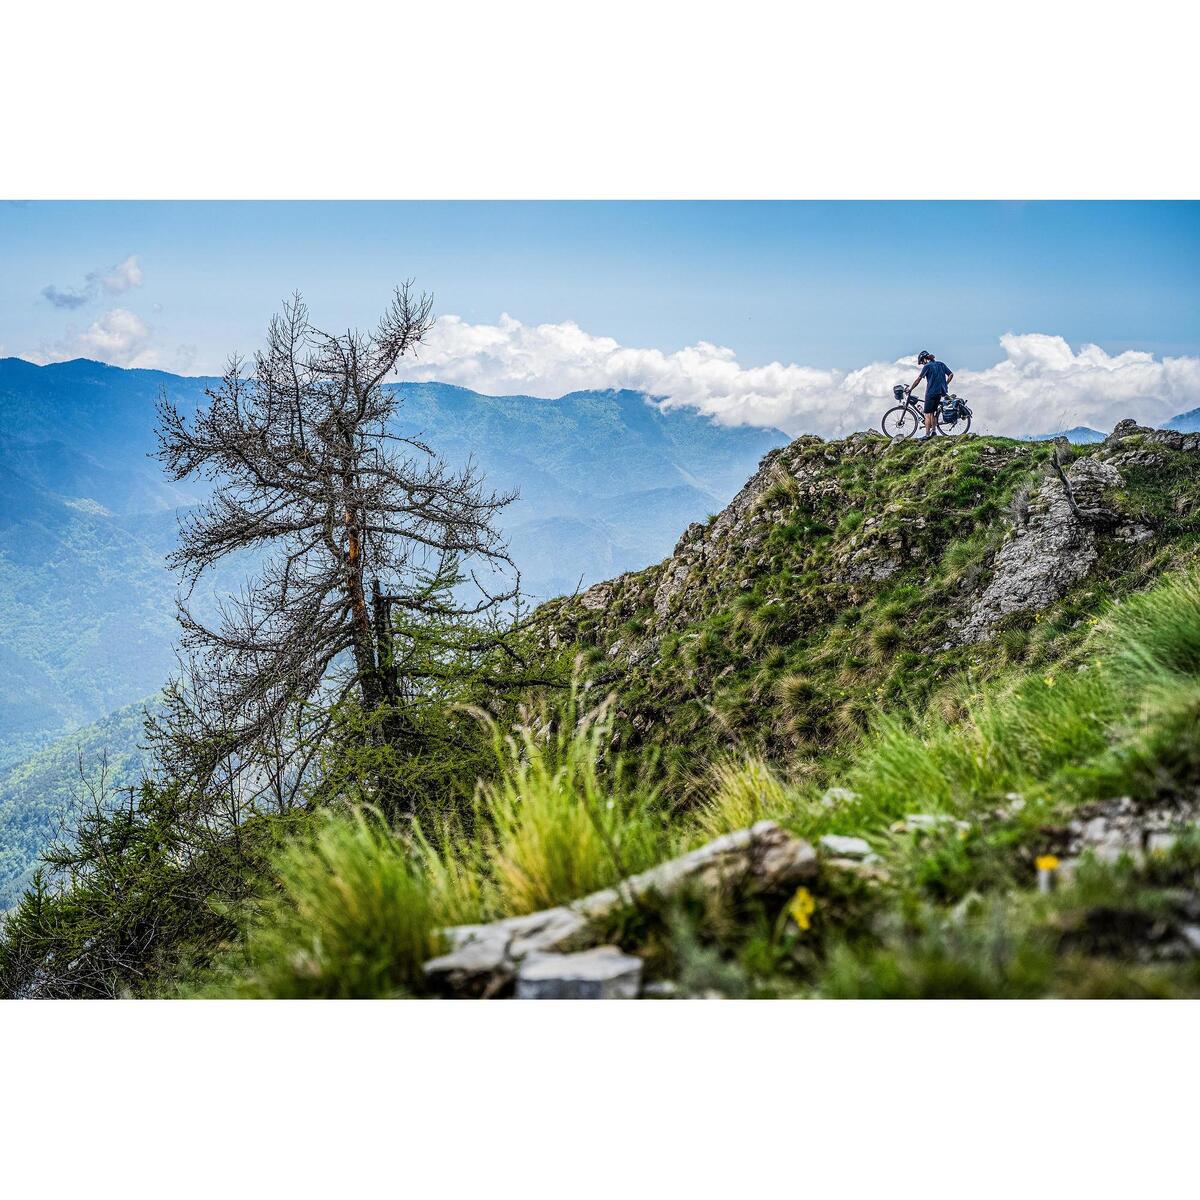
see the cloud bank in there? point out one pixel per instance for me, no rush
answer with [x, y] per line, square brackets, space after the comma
[1039, 385]
[110, 282]
[120, 337]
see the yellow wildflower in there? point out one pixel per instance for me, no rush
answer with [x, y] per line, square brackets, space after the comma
[1047, 862]
[1048, 680]
[802, 907]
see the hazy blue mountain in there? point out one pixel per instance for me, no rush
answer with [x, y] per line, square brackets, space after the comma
[1081, 435]
[1187, 422]
[86, 621]
[595, 443]
[607, 482]
[85, 429]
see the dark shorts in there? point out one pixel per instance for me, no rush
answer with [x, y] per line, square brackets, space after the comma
[931, 403]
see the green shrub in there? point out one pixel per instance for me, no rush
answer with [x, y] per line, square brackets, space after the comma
[935, 959]
[741, 793]
[795, 691]
[353, 918]
[886, 637]
[455, 869]
[559, 827]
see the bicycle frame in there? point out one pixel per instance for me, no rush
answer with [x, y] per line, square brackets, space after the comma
[915, 407]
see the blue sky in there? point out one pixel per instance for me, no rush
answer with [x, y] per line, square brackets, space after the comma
[826, 286]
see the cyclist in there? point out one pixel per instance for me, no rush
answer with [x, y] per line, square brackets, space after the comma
[937, 378]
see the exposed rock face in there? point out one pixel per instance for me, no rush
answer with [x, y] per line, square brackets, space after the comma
[846, 847]
[484, 959]
[1054, 550]
[1171, 439]
[1059, 544]
[1112, 828]
[600, 974]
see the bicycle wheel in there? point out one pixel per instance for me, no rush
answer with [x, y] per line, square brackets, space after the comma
[900, 421]
[956, 428]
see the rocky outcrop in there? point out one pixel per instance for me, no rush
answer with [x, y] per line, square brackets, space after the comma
[1058, 543]
[985, 531]
[1111, 829]
[1052, 551]
[484, 960]
[1170, 439]
[600, 974]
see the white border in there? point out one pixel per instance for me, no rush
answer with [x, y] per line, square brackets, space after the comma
[974, 1100]
[247, 99]
[627, 98]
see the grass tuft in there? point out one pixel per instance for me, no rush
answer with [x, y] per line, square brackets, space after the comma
[352, 918]
[559, 828]
[741, 793]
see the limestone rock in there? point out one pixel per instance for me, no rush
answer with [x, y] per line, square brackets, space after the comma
[484, 959]
[1053, 551]
[1124, 429]
[924, 822]
[869, 869]
[597, 597]
[846, 847]
[1113, 829]
[660, 989]
[602, 973]
[836, 796]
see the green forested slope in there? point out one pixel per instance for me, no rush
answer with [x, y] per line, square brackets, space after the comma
[37, 795]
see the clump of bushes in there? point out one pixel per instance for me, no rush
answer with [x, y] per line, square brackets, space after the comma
[352, 916]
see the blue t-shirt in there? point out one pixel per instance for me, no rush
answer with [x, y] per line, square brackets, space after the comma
[936, 383]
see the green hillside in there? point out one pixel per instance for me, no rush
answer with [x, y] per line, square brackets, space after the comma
[849, 575]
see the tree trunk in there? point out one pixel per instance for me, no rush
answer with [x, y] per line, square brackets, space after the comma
[364, 646]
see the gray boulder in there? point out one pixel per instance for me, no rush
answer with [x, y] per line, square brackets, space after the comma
[603, 973]
[483, 960]
[846, 847]
[1052, 552]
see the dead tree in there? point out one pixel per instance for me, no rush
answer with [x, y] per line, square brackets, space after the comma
[342, 519]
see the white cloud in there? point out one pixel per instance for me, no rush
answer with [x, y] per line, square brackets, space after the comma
[121, 278]
[110, 282]
[1040, 385]
[118, 336]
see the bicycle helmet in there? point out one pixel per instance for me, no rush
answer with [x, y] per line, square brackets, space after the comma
[923, 358]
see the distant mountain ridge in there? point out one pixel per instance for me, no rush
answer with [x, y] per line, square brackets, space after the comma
[1187, 422]
[87, 625]
[1080, 435]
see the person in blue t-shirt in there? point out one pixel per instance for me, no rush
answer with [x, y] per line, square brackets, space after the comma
[937, 378]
